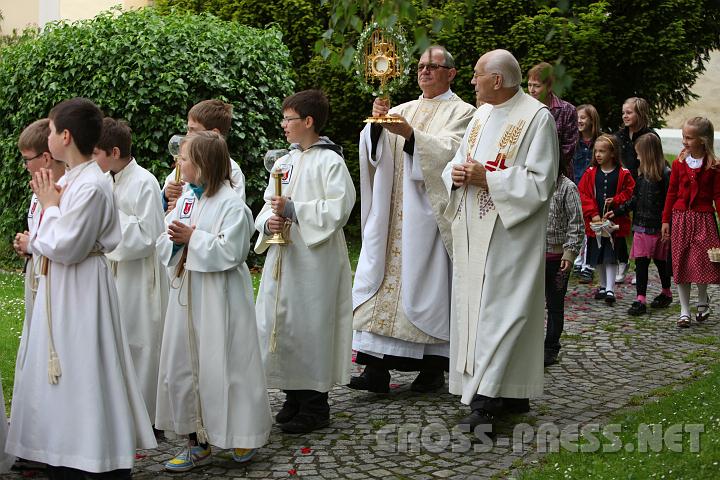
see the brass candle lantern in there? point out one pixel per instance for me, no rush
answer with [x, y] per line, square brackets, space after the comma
[277, 174]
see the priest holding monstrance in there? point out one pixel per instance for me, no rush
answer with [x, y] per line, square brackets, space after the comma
[500, 182]
[401, 294]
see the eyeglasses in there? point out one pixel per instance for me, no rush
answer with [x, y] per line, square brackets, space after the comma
[431, 67]
[286, 120]
[28, 160]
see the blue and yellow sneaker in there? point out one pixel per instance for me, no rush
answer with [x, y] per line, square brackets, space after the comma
[189, 457]
[241, 455]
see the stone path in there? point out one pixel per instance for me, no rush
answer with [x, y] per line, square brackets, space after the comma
[609, 361]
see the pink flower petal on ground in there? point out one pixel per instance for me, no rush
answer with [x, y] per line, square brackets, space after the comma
[292, 472]
[139, 456]
[394, 385]
[306, 450]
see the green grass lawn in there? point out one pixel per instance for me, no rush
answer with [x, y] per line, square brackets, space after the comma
[12, 312]
[697, 403]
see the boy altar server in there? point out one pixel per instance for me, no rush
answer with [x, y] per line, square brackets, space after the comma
[304, 305]
[77, 405]
[208, 115]
[33, 146]
[142, 284]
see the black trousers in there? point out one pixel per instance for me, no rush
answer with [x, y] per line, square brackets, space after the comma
[556, 283]
[403, 364]
[67, 473]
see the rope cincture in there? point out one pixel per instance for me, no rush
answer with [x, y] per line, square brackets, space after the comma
[54, 370]
[185, 279]
[277, 272]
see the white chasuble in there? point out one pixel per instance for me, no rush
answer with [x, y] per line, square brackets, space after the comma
[142, 283]
[236, 175]
[211, 376]
[304, 304]
[401, 292]
[90, 415]
[496, 342]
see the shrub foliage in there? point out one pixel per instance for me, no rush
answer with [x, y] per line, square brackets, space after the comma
[148, 69]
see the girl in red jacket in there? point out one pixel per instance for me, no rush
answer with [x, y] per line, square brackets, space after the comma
[694, 186]
[604, 186]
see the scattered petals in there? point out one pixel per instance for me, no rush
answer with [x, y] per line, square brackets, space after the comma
[394, 385]
[139, 456]
[292, 472]
[306, 450]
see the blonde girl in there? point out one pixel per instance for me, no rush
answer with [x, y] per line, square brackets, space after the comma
[690, 205]
[647, 205]
[606, 185]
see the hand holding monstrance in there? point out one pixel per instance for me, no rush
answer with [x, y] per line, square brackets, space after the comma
[383, 57]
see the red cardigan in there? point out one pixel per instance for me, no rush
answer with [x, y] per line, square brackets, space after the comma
[691, 189]
[623, 193]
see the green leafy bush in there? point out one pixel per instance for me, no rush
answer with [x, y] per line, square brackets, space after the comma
[149, 69]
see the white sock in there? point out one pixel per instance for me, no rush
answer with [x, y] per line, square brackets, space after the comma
[702, 293]
[610, 272]
[684, 294]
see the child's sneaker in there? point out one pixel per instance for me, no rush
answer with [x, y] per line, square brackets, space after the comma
[241, 455]
[189, 457]
[585, 276]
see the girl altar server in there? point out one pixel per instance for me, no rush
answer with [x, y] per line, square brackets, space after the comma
[694, 187]
[604, 186]
[211, 384]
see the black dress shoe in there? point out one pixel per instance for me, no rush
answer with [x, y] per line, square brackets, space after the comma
[551, 358]
[287, 413]
[304, 423]
[516, 405]
[428, 381]
[478, 417]
[372, 380]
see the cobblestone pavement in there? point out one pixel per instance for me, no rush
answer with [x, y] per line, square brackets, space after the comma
[609, 361]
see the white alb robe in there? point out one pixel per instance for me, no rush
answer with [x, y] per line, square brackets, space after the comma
[305, 314]
[425, 267]
[32, 278]
[6, 461]
[142, 283]
[94, 418]
[216, 289]
[236, 175]
[508, 345]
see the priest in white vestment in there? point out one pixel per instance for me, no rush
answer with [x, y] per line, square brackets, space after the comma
[401, 293]
[500, 180]
[77, 404]
[142, 283]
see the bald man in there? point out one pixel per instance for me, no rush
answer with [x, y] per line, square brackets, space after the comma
[500, 182]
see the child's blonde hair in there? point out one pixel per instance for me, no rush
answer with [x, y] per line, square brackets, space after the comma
[706, 134]
[208, 152]
[35, 137]
[642, 109]
[652, 160]
[213, 114]
[614, 147]
[592, 113]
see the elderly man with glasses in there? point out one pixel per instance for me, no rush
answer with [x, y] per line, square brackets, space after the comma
[401, 294]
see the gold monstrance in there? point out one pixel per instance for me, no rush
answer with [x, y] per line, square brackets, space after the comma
[382, 63]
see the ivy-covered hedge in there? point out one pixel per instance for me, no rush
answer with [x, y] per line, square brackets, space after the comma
[149, 69]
